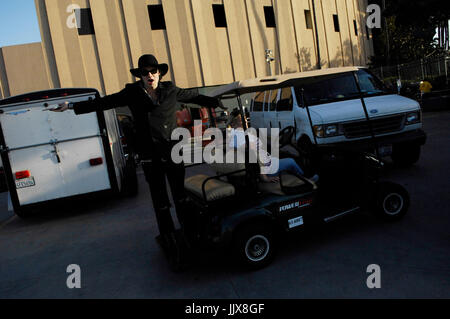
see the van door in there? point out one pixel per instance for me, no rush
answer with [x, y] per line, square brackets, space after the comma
[284, 107]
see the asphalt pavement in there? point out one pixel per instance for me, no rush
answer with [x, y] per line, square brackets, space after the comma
[112, 241]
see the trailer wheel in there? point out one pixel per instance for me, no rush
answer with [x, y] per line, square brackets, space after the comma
[392, 201]
[22, 214]
[130, 180]
[254, 246]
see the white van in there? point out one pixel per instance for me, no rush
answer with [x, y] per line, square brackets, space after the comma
[336, 112]
[49, 157]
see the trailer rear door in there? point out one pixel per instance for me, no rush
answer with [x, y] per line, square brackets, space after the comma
[54, 155]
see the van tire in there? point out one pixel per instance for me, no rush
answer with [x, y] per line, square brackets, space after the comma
[391, 202]
[130, 181]
[406, 154]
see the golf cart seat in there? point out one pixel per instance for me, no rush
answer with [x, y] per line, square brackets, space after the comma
[219, 186]
[215, 189]
[289, 184]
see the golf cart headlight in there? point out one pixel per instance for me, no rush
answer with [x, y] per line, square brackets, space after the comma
[412, 118]
[331, 130]
[318, 131]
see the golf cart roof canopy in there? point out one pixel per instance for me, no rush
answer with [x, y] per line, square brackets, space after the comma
[272, 82]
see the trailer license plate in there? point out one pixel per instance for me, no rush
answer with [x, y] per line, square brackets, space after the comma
[385, 150]
[295, 222]
[26, 182]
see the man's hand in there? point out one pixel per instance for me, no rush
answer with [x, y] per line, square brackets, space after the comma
[61, 107]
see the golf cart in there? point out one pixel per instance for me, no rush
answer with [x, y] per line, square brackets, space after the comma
[234, 209]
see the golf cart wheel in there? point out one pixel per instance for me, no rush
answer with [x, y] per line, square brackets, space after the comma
[405, 155]
[254, 246]
[392, 201]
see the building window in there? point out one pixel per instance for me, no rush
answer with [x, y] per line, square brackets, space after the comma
[336, 23]
[85, 24]
[308, 19]
[270, 17]
[157, 20]
[356, 27]
[220, 18]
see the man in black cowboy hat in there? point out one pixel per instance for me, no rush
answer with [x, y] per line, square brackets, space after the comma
[153, 105]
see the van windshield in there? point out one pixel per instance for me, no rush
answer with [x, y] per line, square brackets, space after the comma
[339, 87]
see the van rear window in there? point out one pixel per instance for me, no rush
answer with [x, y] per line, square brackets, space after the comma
[338, 87]
[258, 102]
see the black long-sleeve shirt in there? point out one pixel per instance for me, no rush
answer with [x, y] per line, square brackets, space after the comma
[153, 120]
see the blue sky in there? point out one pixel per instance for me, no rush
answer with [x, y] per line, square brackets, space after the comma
[18, 22]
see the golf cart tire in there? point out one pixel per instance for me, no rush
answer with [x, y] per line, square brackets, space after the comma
[392, 201]
[254, 245]
[405, 155]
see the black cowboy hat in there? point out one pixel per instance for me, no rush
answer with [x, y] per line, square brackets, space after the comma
[147, 61]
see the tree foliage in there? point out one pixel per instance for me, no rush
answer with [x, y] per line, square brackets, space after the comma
[409, 29]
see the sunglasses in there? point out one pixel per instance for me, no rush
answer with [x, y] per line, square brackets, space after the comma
[152, 71]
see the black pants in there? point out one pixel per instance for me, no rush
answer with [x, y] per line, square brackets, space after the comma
[156, 172]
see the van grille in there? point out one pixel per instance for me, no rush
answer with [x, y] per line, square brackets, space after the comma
[380, 126]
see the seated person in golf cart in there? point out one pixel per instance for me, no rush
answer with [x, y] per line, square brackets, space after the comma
[245, 179]
[268, 175]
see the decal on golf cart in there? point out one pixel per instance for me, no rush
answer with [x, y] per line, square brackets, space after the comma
[295, 222]
[295, 205]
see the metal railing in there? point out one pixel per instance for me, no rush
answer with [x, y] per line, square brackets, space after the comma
[426, 68]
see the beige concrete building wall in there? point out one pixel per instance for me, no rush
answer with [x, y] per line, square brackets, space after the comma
[335, 52]
[345, 36]
[354, 38]
[360, 9]
[322, 34]
[198, 53]
[213, 44]
[112, 43]
[239, 39]
[47, 44]
[23, 70]
[4, 86]
[262, 38]
[305, 38]
[65, 41]
[286, 34]
[182, 44]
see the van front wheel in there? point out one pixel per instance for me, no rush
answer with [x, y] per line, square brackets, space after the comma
[405, 154]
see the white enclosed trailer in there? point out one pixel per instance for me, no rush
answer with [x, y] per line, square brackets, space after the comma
[49, 157]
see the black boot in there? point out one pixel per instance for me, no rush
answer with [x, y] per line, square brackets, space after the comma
[175, 250]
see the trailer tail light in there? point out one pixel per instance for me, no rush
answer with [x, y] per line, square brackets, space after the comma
[22, 175]
[96, 161]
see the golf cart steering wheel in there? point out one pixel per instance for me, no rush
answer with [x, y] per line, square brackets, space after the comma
[286, 135]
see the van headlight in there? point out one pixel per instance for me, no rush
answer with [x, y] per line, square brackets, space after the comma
[412, 118]
[326, 130]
